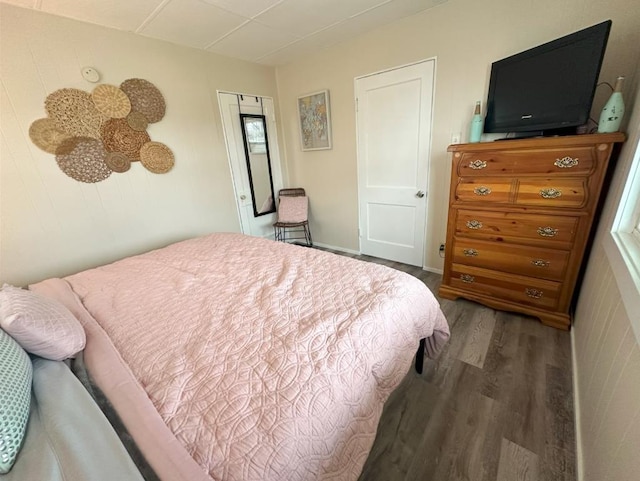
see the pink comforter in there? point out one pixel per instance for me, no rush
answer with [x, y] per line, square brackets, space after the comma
[236, 358]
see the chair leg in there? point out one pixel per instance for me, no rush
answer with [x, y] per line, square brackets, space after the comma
[307, 235]
[420, 356]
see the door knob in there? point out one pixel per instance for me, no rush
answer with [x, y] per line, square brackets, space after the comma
[420, 194]
[243, 197]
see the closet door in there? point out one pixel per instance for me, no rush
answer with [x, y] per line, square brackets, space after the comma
[255, 165]
[394, 111]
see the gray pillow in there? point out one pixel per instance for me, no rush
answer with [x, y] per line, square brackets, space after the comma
[15, 395]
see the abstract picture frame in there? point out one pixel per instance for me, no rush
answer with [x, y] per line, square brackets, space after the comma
[315, 121]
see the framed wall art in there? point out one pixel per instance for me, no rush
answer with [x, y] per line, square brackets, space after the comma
[315, 121]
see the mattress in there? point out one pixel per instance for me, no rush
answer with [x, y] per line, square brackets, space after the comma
[231, 358]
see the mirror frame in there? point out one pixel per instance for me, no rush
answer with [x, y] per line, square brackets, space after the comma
[247, 156]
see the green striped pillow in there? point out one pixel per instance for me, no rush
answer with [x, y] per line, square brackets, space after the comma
[15, 395]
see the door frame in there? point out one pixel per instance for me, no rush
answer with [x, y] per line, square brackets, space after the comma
[429, 146]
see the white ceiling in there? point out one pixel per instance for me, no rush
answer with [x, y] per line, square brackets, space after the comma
[271, 32]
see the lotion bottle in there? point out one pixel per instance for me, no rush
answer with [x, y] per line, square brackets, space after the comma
[613, 110]
[477, 123]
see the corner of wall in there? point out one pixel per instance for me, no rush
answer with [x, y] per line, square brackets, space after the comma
[576, 408]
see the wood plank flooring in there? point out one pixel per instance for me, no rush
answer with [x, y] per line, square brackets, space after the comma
[496, 406]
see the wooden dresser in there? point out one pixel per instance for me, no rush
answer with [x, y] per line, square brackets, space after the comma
[520, 215]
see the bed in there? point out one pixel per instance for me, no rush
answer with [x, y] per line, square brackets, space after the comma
[64, 421]
[231, 358]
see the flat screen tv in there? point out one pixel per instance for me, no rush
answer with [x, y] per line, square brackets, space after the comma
[549, 89]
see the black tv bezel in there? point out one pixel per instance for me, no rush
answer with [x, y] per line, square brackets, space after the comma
[600, 30]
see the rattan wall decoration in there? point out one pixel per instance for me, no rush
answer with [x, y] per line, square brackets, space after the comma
[118, 162]
[46, 135]
[117, 136]
[84, 160]
[74, 113]
[156, 157]
[145, 98]
[95, 134]
[111, 101]
[137, 121]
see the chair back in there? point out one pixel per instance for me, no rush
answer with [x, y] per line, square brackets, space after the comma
[292, 206]
[296, 192]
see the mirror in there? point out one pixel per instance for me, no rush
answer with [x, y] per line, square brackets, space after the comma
[256, 150]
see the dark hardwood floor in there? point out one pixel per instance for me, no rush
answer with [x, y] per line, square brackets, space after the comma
[496, 406]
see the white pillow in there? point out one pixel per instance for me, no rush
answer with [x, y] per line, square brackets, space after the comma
[40, 325]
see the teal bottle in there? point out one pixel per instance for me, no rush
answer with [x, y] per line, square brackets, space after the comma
[613, 110]
[477, 123]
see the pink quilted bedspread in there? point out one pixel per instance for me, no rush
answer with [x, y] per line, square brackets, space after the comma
[265, 361]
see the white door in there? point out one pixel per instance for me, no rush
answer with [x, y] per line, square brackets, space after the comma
[394, 111]
[251, 201]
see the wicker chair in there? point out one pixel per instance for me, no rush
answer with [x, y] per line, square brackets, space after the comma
[293, 222]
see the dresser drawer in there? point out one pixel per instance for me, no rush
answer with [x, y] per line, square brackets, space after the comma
[509, 287]
[570, 160]
[486, 191]
[571, 193]
[538, 229]
[513, 258]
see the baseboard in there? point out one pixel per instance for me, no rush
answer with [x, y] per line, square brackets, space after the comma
[336, 248]
[432, 269]
[354, 252]
[576, 408]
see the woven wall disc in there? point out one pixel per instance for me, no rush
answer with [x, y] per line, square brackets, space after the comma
[84, 161]
[46, 135]
[74, 113]
[145, 98]
[119, 137]
[137, 121]
[111, 101]
[156, 157]
[118, 162]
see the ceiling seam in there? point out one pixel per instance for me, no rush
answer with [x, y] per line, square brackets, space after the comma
[303, 38]
[369, 9]
[250, 17]
[227, 34]
[246, 22]
[267, 9]
[257, 59]
[152, 15]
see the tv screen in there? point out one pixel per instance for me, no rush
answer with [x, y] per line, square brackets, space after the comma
[549, 87]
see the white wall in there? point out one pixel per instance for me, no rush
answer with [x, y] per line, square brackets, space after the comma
[607, 352]
[465, 36]
[51, 225]
[607, 379]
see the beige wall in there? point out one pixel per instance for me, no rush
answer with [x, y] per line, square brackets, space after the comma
[607, 350]
[465, 36]
[51, 225]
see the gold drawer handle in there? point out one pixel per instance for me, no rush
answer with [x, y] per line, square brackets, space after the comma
[470, 252]
[540, 263]
[474, 224]
[482, 190]
[550, 193]
[547, 231]
[467, 278]
[533, 293]
[566, 162]
[477, 164]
